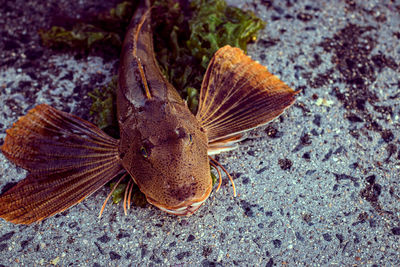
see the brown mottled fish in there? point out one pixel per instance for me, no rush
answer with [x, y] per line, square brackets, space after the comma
[163, 146]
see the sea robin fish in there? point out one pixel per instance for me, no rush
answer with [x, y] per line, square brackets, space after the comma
[162, 145]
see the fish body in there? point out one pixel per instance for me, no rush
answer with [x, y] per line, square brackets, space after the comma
[162, 145]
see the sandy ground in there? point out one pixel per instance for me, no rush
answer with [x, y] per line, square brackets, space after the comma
[318, 186]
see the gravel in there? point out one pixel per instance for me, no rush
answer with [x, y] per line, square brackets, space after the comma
[318, 186]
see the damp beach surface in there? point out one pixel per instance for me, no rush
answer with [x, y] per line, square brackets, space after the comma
[318, 186]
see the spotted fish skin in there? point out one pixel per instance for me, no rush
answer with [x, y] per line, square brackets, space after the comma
[163, 146]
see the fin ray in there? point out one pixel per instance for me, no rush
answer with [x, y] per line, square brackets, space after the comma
[238, 94]
[226, 143]
[68, 159]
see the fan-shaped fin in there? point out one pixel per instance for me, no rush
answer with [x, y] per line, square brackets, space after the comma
[68, 159]
[239, 94]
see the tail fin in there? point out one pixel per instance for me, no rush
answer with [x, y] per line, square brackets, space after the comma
[238, 94]
[68, 159]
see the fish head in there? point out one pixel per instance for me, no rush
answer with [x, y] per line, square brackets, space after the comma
[169, 162]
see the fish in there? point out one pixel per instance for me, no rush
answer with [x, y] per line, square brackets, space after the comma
[165, 148]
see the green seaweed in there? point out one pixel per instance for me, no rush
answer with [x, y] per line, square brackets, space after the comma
[215, 24]
[103, 107]
[138, 199]
[105, 30]
[81, 36]
[122, 12]
[187, 36]
[214, 178]
[192, 99]
[119, 192]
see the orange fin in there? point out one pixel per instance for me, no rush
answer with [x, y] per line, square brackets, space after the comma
[239, 94]
[67, 158]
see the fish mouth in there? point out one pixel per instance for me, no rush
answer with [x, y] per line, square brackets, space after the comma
[184, 209]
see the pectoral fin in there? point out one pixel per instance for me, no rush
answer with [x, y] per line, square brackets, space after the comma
[238, 94]
[68, 159]
[225, 143]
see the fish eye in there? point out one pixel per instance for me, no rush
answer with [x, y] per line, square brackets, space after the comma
[190, 139]
[143, 151]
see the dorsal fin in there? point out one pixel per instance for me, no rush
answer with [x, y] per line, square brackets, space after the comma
[139, 27]
[139, 76]
[238, 94]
